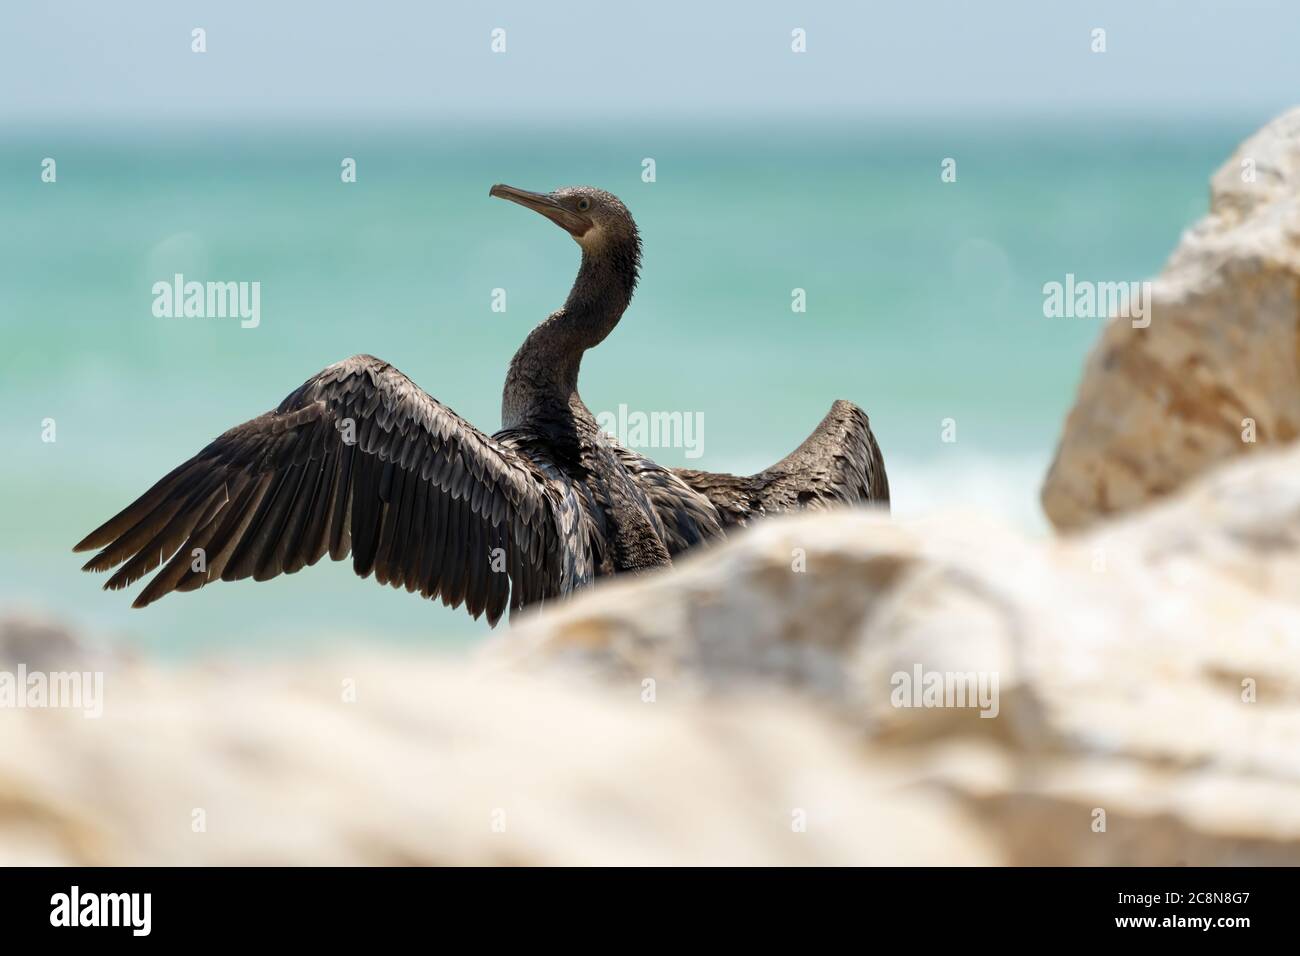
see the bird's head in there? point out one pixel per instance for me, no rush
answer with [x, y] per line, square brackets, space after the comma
[598, 221]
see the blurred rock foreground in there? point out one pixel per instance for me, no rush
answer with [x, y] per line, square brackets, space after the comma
[1149, 678]
[747, 707]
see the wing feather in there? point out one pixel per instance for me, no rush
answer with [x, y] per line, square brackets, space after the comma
[359, 461]
[839, 463]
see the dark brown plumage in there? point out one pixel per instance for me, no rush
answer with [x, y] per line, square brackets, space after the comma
[360, 460]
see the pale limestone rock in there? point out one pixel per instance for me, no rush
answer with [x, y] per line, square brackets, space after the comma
[440, 762]
[1122, 659]
[1159, 405]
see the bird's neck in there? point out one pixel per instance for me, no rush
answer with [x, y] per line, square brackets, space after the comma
[544, 372]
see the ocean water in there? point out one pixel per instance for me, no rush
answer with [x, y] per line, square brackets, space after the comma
[923, 303]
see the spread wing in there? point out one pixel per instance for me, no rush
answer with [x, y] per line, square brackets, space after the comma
[839, 462]
[360, 460]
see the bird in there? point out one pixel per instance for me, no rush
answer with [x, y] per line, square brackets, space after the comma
[359, 460]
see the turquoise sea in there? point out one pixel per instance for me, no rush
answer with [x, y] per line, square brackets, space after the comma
[924, 302]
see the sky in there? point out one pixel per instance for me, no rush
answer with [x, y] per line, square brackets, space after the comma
[565, 63]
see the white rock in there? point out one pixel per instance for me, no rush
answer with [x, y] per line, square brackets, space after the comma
[772, 737]
[1123, 661]
[1159, 405]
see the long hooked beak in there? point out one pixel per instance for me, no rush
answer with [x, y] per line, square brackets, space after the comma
[574, 222]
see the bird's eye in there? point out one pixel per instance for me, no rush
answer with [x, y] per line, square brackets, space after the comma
[584, 204]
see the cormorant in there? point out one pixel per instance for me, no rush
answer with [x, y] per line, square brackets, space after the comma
[359, 459]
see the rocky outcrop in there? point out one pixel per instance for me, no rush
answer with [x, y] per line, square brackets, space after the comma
[1216, 374]
[1147, 676]
[390, 760]
[1135, 699]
